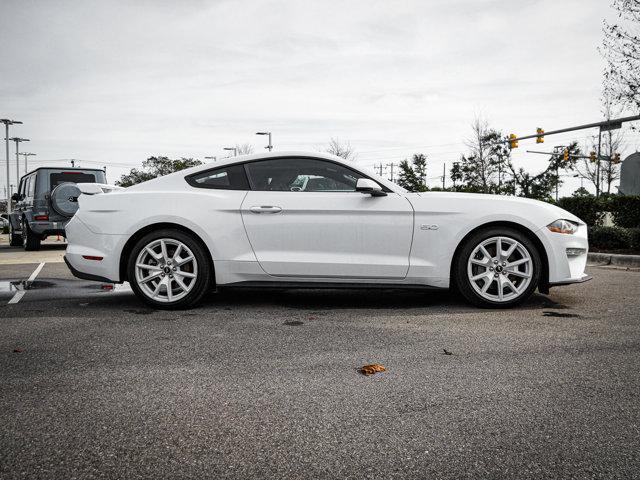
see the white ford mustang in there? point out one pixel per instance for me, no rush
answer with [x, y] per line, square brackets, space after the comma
[315, 220]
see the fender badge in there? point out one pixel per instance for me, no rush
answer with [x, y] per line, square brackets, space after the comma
[424, 226]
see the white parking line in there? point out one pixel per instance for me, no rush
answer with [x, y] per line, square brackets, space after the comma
[20, 293]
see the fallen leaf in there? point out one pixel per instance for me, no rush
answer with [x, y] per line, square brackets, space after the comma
[447, 352]
[372, 369]
[18, 350]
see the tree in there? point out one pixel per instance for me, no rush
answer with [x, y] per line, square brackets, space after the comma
[581, 192]
[542, 185]
[154, 167]
[244, 149]
[413, 176]
[341, 149]
[612, 142]
[482, 168]
[621, 48]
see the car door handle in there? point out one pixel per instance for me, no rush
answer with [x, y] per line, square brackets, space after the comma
[266, 209]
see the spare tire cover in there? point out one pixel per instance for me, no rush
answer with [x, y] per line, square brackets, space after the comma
[64, 199]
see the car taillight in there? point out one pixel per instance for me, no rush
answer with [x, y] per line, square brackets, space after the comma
[43, 218]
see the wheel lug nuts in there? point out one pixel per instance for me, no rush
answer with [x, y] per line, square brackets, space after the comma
[495, 261]
[491, 268]
[504, 264]
[174, 269]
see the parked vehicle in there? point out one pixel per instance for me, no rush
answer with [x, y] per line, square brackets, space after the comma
[260, 221]
[45, 201]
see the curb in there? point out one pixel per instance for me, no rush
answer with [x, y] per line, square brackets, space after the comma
[613, 259]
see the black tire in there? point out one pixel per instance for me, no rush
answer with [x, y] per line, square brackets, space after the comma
[15, 240]
[461, 278]
[30, 241]
[202, 281]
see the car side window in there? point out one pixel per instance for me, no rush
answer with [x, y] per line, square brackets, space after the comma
[32, 186]
[301, 175]
[232, 177]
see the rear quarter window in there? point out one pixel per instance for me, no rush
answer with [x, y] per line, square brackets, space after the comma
[232, 177]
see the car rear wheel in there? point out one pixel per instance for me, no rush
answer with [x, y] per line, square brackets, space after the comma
[497, 268]
[169, 269]
[30, 241]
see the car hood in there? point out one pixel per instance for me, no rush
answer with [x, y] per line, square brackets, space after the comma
[483, 203]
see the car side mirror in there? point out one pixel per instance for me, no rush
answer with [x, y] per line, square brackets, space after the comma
[366, 185]
[16, 197]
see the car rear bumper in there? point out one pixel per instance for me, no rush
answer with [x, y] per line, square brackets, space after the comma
[93, 256]
[86, 276]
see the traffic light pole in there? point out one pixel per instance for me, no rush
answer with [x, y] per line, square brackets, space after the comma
[605, 126]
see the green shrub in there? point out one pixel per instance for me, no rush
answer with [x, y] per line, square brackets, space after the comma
[625, 210]
[588, 208]
[5, 229]
[609, 238]
[634, 238]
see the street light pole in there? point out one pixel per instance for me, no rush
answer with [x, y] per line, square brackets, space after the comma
[18, 140]
[8, 122]
[25, 155]
[270, 146]
[234, 149]
[598, 164]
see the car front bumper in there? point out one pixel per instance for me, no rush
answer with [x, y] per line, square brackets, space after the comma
[567, 256]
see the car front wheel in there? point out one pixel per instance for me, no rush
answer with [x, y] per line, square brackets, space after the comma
[169, 269]
[15, 239]
[30, 240]
[497, 268]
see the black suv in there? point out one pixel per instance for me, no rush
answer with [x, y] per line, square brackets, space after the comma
[46, 200]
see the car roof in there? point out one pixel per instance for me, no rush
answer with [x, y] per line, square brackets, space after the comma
[177, 178]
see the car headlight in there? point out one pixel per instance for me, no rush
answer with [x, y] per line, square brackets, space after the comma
[563, 226]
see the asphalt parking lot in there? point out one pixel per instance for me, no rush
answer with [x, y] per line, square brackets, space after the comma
[264, 384]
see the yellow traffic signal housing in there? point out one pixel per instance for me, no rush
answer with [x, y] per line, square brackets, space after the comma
[513, 143]
[616, 158]
[592, 156]
[540, 139]
[565, 156]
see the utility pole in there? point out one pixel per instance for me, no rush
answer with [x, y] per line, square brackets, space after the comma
[18, 140]
[444, 174]
[73, 163]
[25, 155]
[8, 122]
[391, 165]
[598, 164]
[270, 146]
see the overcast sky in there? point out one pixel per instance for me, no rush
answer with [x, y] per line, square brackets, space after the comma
[113, 82]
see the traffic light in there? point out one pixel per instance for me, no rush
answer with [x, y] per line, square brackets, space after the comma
[616, 158]
[592, 157]
[513, 143]
[541, 138]
[565, 155]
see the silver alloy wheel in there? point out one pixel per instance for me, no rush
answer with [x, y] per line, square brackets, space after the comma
[500, 269]
[166, 270]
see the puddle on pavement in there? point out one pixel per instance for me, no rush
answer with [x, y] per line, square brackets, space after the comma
[24, 285]
[109, 287]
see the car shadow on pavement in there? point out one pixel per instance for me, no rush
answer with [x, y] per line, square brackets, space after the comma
[323, 299]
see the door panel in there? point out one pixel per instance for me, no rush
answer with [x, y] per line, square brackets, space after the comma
[329, 234]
